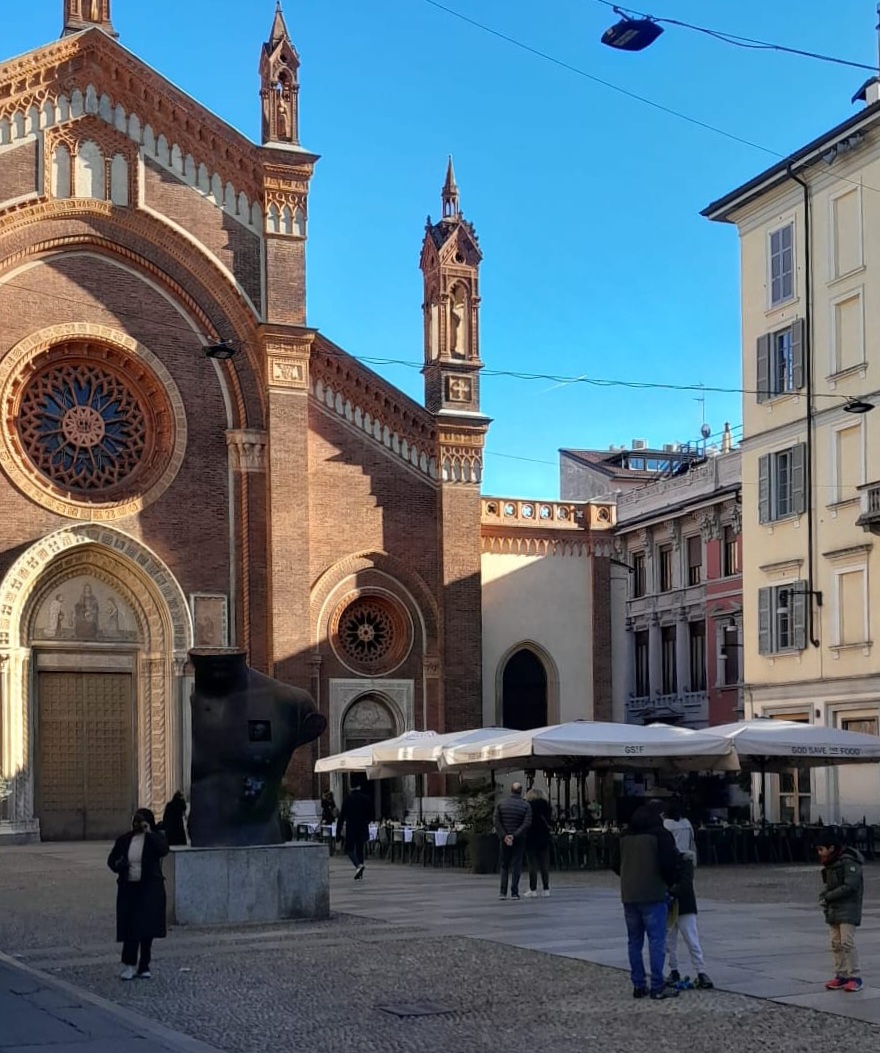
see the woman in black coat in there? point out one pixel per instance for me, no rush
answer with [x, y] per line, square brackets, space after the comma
[538, 842]
[354, 820]
[173, 817]
[136, 859]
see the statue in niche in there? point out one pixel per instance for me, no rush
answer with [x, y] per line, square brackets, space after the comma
[457, 310]
[282, 114]
[94, 10]
[245, 728]
[86, 615]
[55, 616]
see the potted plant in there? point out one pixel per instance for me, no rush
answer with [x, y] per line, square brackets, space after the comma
[475, 810]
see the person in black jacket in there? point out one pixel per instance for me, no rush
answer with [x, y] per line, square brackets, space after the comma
[538, 842]
[173, 825]
[513, 817]
[648, 864]
[136, 859]
[355, 817]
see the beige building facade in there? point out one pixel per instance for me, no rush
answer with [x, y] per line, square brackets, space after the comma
[811, 472]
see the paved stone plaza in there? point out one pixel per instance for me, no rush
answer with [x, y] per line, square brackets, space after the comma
[529, 976]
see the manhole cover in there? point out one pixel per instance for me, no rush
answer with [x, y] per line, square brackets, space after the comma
[414, 1009]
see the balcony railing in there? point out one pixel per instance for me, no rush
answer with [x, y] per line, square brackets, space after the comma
[870, 517]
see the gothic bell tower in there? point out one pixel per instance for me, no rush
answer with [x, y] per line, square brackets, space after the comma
[279, 85]
[83, 14]
[450, 267]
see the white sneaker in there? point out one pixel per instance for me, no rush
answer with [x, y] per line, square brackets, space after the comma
[128, 973]
[145, 975]
[529, 895]
[545, 893]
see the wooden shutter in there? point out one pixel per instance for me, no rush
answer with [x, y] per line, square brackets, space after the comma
[799, 599]
[762, 383]
[765, 614]
[764, 489]
[798, 479]
[797, 353]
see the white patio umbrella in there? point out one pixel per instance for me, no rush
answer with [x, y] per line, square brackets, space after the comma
[788, 744]
[423, 755]
[597, 744]
[362, 758]
[764, 744]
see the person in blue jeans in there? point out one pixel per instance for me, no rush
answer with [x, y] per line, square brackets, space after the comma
[647, 863]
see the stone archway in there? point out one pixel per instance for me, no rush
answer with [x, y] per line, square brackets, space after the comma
[370, 718]
[527, 687]
[87, 599]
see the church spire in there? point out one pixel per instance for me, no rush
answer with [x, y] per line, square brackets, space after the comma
[450, 193]
[279, 84]
[83, 14]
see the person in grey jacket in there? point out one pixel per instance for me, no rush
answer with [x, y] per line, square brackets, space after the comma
[513, 817]
[841, 900]
[648, 864]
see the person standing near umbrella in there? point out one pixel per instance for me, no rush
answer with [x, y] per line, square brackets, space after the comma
[841, 900]
[538, 842]
[647, 862]
[355, 819]
[513, 817]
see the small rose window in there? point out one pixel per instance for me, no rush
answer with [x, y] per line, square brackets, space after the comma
[371, 634]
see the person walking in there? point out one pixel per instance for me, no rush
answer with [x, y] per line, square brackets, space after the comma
[647, 863]
[136, 859]
[173, 825]
[354, 819]
[329, 811]
[513, 817]
[841, 900]
[538, 842]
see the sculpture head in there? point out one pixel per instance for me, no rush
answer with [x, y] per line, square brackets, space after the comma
[218, 671]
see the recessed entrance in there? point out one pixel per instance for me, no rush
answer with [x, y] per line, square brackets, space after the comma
[85, 755]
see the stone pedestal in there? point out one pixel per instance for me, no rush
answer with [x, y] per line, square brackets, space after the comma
[26, 832]
[239, 886]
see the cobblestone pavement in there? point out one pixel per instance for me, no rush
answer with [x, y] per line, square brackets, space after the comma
[319, 986]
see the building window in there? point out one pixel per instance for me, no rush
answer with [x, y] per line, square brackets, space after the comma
[795, 796]
[642, 670]
[780, 362]
[667, 660]
[639, 580]
[782, 265]
[730, 552]
[697, 651]
[781, 490]
[848, 334]
[782, 618]
[664, 561]
[851, 607]
[730, 655]
[849, 470]
[862, 725]
[695, 559]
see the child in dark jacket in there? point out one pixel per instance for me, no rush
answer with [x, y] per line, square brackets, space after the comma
[841, 900]
[685, 922]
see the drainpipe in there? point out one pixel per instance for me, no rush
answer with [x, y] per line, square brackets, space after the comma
[812, 594]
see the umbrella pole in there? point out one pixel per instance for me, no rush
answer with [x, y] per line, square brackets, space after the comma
[422, 779]
[763, 794]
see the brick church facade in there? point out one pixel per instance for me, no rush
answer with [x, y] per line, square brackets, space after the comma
[186, 461]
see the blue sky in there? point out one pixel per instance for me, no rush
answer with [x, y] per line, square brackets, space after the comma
[586, 202]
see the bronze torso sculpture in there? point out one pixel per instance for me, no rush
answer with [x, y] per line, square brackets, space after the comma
[245, 727]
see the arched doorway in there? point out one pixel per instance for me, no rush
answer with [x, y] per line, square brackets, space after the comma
[97, 630]
[524, 691]
[369, 720]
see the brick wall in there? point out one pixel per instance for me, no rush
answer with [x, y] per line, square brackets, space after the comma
[18, 172]
[285, 280]
[235, 246]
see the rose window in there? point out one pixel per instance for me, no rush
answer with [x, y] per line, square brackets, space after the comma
[88, 426]
[370, 634]
[82, 426]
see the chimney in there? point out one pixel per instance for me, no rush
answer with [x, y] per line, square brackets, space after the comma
[726, 439]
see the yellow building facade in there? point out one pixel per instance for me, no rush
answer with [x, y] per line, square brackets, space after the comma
[810, 281]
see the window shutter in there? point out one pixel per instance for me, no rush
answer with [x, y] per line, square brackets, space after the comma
[798, 480]
[764, 489]
[797, 353]
[799, 616]
[765, 636]
[762, 384]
